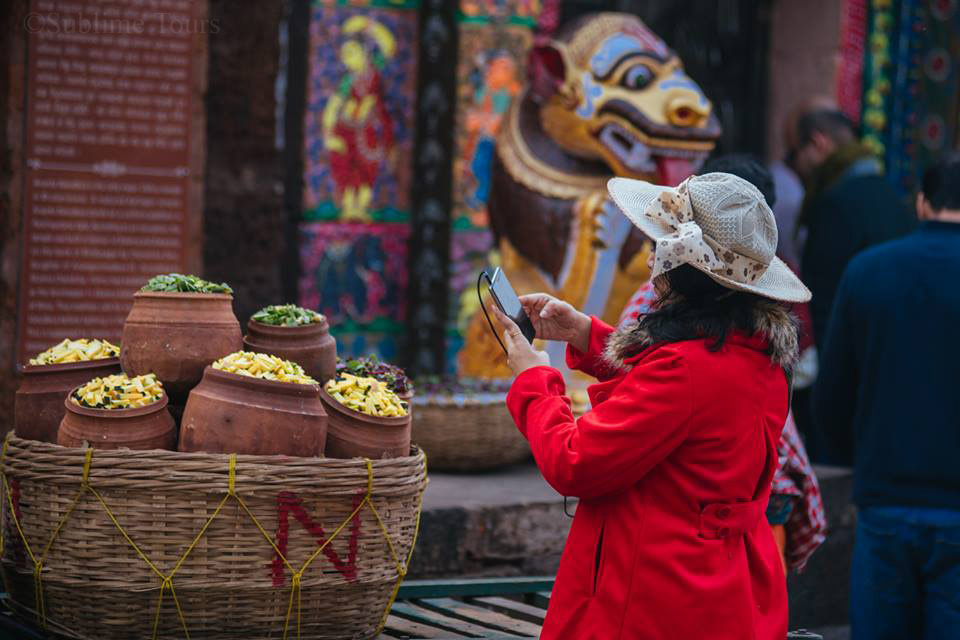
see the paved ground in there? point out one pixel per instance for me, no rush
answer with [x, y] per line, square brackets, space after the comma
[521, 484]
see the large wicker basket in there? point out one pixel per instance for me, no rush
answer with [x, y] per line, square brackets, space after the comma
[474, 433]
[140, 544]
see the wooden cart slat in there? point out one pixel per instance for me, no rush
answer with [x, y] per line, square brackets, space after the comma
[511, 608]
[445, 618]
[493, 609]
[480, 616]
[402, 628]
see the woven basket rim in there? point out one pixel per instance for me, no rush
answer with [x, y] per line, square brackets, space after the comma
[216, 458]
[448, 402]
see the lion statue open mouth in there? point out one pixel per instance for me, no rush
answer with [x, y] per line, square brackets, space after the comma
[606, 97]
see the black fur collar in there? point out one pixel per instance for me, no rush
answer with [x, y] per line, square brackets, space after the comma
[772, 320]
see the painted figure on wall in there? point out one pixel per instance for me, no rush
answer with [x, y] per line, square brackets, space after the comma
[495, 84]
[357, 127]
[605, 97]
[517, 8]
[355, 274]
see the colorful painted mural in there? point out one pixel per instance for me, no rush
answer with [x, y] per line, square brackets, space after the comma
[911, 109]
[360, 102]
[358, 147]
[495, 38]
[356, 275]
[491, 72]
[518, 11]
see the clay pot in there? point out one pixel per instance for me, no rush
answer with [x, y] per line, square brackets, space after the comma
[352, 434]
[149, 427]
[38, 405]
[311, 346]
[176, 335]
[230, 413]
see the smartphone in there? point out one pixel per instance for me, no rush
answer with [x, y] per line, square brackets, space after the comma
[506, 298]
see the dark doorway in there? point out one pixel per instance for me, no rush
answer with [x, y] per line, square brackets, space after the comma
[723, 45]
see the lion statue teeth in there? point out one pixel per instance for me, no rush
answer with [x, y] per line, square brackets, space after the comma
[606, 97]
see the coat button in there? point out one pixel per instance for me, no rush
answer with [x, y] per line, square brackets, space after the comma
[723, 513]
[723, 532]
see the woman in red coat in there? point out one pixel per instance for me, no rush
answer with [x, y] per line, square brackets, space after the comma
[673, 463]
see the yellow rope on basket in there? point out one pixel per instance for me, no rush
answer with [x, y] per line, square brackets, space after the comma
[166, 580]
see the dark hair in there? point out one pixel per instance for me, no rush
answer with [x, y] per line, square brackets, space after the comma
[746, 166]
[696, 307]
[829, 122]
[941, 183]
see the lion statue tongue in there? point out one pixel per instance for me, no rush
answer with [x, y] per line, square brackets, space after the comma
[673, 171]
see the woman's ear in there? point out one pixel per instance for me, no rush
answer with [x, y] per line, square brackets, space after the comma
[824, 144]
[546, 70]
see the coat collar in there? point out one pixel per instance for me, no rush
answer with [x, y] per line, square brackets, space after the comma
[776, 334]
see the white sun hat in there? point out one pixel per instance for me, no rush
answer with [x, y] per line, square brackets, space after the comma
[717, 223]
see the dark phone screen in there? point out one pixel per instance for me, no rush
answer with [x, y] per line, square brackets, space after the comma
[506, 296]
[509, 303]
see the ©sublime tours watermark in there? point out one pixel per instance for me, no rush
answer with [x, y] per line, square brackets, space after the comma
[113, 22]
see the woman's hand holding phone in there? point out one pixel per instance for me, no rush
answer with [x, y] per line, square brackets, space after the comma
[520, 354]
[557, 320]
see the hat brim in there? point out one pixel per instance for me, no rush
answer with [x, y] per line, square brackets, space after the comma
[778, 282]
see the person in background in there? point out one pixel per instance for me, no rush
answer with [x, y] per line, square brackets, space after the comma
[848, 205]
[787, 184]
[888, 401]
[795, 511]
[788, 190]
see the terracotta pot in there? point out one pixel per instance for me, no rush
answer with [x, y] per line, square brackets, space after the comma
[38, 405]
[176, 335]
[230, 413]
[149, 427]
[352, 434]
[311, 346]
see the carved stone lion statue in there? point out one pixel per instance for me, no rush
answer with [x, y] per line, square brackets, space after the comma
[606, 97]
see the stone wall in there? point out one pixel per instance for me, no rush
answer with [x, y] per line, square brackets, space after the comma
[820, 596]
[13, 44]
[804, 53]
[244, 218]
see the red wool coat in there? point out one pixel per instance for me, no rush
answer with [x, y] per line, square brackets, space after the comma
[673, 468]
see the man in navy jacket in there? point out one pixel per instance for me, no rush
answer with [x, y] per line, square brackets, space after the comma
[888, 402]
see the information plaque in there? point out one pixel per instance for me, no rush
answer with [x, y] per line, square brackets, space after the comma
[107, 162]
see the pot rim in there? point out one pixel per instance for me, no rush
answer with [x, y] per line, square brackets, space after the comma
[274, 329]
[259, 384]
[135, 412]
[399, 421]
[30, 369]
[182, 295]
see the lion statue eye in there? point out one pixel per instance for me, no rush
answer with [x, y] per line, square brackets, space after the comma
[637, 77]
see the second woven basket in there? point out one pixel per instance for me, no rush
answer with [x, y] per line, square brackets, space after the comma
[467, 433]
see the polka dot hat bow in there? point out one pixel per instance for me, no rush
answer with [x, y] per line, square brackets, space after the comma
[684, 243]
